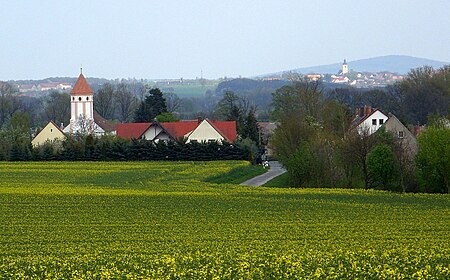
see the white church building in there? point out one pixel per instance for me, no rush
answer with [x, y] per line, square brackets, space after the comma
[83, 118]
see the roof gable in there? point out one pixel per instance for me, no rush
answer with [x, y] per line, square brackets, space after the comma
[50, 132]
[359, 120]
[81, 87]
[132, 130]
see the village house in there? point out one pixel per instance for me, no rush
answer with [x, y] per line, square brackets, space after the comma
[368, 120]
[51, 133]
[200, 130]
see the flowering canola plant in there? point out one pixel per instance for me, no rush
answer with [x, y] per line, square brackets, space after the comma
[163, 220]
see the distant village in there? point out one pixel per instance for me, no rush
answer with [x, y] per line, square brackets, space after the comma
[344, 76]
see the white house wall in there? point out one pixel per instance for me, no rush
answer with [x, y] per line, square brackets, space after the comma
[204, 133]
[367, 125]
[152, 132]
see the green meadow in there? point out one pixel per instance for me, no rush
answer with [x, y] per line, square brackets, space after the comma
[179, 220]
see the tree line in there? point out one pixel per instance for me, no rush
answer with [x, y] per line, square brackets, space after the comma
[111, 148]
[316, 142]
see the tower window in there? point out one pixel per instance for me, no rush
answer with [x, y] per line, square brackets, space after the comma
[87, 98]
[79, 98]
[73, 98]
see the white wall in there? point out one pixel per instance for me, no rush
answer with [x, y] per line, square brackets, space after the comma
[204, 132]
[367, 124]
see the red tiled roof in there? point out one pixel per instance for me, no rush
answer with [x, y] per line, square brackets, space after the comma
[179, 129]
[176, 130]
[131, 130]
[81, 87]
[227, 129]
[105, 124]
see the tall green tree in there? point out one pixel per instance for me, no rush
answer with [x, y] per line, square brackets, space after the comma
[382, 167]
[153, 105]
[433, 159]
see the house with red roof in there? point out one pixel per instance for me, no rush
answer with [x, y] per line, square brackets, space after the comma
[201, 130]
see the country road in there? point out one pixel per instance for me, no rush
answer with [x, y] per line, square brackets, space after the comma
[275, 170]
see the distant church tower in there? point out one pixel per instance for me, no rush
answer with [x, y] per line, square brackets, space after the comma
[344, 68]
[81, 107]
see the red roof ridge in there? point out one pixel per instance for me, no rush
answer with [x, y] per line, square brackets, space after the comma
[81, 87]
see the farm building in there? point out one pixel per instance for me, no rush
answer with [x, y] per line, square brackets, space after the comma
[201, 130]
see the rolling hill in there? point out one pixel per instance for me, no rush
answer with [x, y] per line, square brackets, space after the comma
[400, 64]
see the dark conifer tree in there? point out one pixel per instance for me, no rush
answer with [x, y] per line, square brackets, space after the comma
[153, 105]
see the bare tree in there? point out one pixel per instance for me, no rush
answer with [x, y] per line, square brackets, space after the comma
[126, 102]
[104, 101]
[57, 107]
[8, 102]
[173, 102]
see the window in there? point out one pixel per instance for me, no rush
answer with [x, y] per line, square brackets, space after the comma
[73, 98]
[401, 134]
[51, 129]
[87, 98]
[211, 140]
[79, 98]
[381, 121]
[374, 121]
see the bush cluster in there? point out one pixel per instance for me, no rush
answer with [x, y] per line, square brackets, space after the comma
[107, 148]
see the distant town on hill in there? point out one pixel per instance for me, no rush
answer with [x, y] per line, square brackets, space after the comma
[399, 64]
[374, 72]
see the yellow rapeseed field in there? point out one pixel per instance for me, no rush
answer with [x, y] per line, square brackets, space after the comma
[162, 220]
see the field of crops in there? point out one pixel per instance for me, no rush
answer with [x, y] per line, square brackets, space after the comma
[161, 220]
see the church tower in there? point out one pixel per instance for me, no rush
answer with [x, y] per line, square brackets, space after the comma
[344, 68]
[81, 107]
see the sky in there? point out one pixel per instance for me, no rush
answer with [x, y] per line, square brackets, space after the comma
[231, 38]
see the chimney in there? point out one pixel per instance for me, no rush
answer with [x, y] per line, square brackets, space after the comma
[199, 119]
[367, 110]
[62, 126]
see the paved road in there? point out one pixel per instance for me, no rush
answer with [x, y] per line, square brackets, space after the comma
[275, 170]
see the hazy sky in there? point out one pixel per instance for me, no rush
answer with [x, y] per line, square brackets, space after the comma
[173, 39]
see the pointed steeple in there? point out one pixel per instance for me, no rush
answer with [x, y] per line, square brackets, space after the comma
[81, 87]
